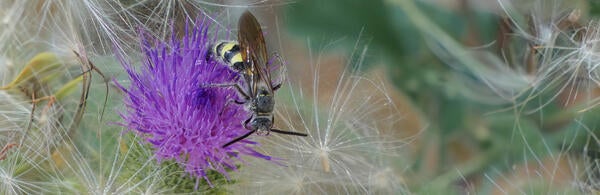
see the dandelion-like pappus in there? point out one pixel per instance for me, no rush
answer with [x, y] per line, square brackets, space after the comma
[168, 104]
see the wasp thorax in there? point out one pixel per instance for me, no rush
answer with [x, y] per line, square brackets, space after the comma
[264, 102]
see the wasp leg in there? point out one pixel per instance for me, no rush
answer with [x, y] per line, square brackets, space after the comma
[227, 104]
[209, 54]
[245, 123]
[288, 132]
[238, 139]
[237, 87]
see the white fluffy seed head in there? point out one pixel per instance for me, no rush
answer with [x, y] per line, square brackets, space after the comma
[347, 150]
[547, 50]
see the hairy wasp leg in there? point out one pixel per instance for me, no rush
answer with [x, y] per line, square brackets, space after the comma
[245, 123]
[209, 54]
[289, 132]
[224, 108]
[237, 87]
[227, 104]
[238, 139]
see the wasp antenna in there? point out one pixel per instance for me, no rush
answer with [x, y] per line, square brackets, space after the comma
[288, 132]
[238, 139]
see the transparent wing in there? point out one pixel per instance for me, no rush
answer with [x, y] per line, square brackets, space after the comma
[254, 50]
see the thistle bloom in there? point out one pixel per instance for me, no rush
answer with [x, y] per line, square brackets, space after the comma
[170, 103]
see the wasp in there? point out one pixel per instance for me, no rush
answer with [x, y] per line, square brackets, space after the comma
[248, 57]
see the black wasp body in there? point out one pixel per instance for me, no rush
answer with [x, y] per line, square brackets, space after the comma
[248, 57]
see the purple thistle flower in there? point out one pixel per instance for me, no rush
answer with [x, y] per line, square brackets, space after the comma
[169, 105]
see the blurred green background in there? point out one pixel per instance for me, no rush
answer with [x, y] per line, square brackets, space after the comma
[471, 137]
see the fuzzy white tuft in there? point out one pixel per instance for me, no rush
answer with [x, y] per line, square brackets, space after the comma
[347, 149]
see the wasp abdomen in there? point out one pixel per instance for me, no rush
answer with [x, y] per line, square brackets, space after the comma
[229, 53]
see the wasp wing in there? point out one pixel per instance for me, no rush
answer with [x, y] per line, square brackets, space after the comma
[254, 50]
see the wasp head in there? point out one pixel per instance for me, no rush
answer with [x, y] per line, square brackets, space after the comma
[262, 125]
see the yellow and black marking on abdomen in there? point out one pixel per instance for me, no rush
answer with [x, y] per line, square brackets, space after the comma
[229, 52]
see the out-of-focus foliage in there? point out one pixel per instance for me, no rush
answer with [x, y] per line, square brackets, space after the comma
[172, 176]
